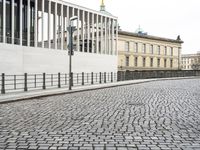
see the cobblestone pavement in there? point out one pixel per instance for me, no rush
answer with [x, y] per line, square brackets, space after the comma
[149, 116]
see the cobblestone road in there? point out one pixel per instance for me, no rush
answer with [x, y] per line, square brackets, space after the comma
[155, 115]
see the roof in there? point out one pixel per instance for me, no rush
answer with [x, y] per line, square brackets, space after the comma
[149, 37]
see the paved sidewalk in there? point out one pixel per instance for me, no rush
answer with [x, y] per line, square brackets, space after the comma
[12, 97]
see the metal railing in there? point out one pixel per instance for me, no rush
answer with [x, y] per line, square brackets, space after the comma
[28, 82]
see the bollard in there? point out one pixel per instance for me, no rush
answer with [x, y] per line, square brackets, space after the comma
[92, 82]
[59, 86]
[44, 81]
[72, 79]
[100, 77]
[25, 82]
[82, 78]
[111, 76]
[104, 77]
[3, 83]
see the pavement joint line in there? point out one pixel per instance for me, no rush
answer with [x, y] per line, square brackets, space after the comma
[89, 88]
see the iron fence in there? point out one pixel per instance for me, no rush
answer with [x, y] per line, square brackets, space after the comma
[28, 82]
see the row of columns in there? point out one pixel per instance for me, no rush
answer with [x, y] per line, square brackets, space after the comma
[99, 27]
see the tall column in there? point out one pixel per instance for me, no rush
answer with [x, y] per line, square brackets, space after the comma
[78, 44]
[49, 25]
[13, 19]
[64, 26]
[35, 25]
[109, 37]
[113, 32]
[93, 51]
[61, 26]
[83, 32]
[28, 23]
[101, 34]
[55, 26]
[4, 21]
[88, 32]
[42, 24]
[105, 35]
[97, 33]
[20, 30]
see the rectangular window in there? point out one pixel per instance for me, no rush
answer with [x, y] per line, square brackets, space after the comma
[144, 62]
[127, 46]
[151, 62]
[171, 63]
[151, 49]
[158, 50]
[165, 63]
[144, 48]
[171, 51]
[136, 61]
[158, 62]
[127, 61]
[135, 47]
[165, 50]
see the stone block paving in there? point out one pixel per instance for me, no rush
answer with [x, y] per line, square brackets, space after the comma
[162, 115]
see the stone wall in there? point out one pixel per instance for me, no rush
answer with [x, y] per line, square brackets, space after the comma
[131, 75]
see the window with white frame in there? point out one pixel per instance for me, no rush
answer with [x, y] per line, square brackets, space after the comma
[127, 61]
[158, 50]
[136, 61]
[151, 49]
[171, 51]
[158, 62]
[127, 46]
[143, 48]
[144, 61]
[165, 50]
[135, 47]
[165, 63]
[171, 63]
[151, 62]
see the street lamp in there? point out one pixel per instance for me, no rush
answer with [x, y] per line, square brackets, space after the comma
[71, 30]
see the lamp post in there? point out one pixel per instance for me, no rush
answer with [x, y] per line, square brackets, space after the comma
[71, 30]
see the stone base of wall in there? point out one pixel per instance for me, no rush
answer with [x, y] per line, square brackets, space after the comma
[131, 75]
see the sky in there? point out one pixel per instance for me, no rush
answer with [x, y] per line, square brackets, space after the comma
[163, 18]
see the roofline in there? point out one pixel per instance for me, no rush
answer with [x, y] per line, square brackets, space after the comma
[149, 37]
[84, 8]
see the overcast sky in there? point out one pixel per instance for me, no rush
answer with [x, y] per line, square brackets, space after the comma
[164, 18]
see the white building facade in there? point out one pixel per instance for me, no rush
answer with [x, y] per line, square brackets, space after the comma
[34, 38]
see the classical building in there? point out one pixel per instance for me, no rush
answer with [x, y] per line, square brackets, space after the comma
[140, 51]
[34, 37]
[190, 61]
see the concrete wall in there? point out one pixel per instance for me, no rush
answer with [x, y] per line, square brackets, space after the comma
[15, 59]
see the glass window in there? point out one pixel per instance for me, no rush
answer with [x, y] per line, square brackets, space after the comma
[158, 50]
[127, 61]
[171, 63]
[127, 46]
[158, 62]
[144, 61]
[165, 63]
[165, 50]
[151, 62]
[135, 47]
[151, 49]
[144, 48]
[136, 60]
[171, 51]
